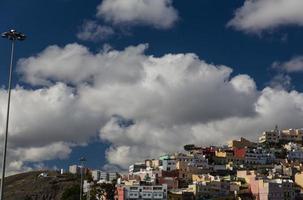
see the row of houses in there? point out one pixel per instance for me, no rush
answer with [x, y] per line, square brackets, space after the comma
[96, 175]
[268, 169]
[276, 136]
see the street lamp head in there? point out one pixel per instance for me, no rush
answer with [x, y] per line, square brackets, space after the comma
[82, 159]
[13, 35]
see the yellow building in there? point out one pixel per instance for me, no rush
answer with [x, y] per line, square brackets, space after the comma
[186, 171]
[299, 179]
[202, 177]
[132, 182]
[224, 153]
[242, 143]
[180, 195]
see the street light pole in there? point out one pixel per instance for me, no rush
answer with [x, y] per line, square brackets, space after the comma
[13, 36]
[82, 160]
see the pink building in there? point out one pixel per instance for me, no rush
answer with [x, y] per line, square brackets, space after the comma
[120, 193]
[277, 189]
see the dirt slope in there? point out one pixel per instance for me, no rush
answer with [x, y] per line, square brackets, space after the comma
[29, 186]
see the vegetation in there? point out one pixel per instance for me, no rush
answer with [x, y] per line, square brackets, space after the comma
[189, 147]
[105, 190]
[71, 193]
[29, 186]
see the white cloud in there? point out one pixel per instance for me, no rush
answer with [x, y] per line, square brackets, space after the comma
[75, 64]
[259, 15]
[244, 84]
[281, 81]
[144, 140]
[157, 13]
[173, 100]
[48, 152]
[46, 116]
[91, 31]
[19, 157]
[291, 66]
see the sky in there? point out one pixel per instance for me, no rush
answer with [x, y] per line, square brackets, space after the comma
[119, 81]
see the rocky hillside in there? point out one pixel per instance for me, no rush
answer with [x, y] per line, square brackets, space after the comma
[31, 186]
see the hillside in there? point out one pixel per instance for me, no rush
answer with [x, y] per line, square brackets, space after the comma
[29, 186]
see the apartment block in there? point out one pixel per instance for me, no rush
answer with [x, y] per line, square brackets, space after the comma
[258, 156]
[141, 192]
[96, 175]
[136, 167]
[292, 135]
[270, 137]
[168, 164]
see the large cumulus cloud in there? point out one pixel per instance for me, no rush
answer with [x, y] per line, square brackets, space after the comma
[141, 104]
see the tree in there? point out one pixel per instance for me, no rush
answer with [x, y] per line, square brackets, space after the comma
[103, 191]
[71, 193]
[189, 147]
[27, 197]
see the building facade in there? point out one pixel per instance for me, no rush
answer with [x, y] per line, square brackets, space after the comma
[140, 192]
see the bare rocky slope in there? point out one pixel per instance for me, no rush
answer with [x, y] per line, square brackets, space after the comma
[29, 186]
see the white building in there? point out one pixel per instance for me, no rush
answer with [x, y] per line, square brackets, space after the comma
[103, 176]
[168, 162]
[86, 186]
[74, 169]
[96, 175]
[145, 192]
[169, 165]
[194, 160]
[112, 176]
[136, 167]
[149, 172]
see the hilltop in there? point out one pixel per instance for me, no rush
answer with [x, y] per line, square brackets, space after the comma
[29, 186]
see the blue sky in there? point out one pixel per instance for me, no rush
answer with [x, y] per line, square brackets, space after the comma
[240, 35]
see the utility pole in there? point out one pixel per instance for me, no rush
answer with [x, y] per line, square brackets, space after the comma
[82, 160]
